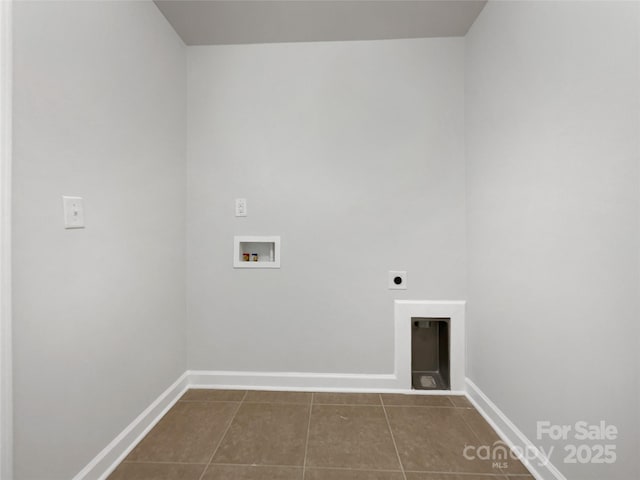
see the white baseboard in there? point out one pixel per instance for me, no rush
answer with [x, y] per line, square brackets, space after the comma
[540, 467]
[290, 380]
[110, 457]
[304, 382]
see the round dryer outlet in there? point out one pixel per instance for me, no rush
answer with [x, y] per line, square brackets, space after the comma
[397, 280]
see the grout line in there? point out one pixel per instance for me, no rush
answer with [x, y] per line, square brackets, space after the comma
[395, 446]
[224, 434]
[498, 476]
[427, 406]
[326, 404]
[361, 469]
[266, 465]
[165, 463]
[354, 469]
[306, 443]
[477, 435]
[210, 401]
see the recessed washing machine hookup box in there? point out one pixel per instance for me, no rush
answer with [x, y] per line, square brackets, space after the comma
[256, 252]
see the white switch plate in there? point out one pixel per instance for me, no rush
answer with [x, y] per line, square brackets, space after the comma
[397, 280]
[241, 207]
[73, 212]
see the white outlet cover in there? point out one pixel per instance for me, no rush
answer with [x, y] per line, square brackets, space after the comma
[73, 212]
[397, 280]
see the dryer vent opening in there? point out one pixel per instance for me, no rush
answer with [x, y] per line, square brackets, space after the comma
[430, 354]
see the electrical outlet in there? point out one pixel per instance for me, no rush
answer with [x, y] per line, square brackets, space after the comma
[397, 280]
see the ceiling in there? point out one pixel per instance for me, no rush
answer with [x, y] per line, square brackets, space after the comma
[220, 22]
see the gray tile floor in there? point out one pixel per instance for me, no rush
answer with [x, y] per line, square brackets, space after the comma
[255, 435]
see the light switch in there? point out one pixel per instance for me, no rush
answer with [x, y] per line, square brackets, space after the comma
[73, 212]
[241, 207]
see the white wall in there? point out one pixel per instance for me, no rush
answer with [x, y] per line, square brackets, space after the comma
[353, 153]
[6, 393]
[552, 150]
[99, 313]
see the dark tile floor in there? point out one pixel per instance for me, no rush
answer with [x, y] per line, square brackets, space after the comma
[254, 435]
